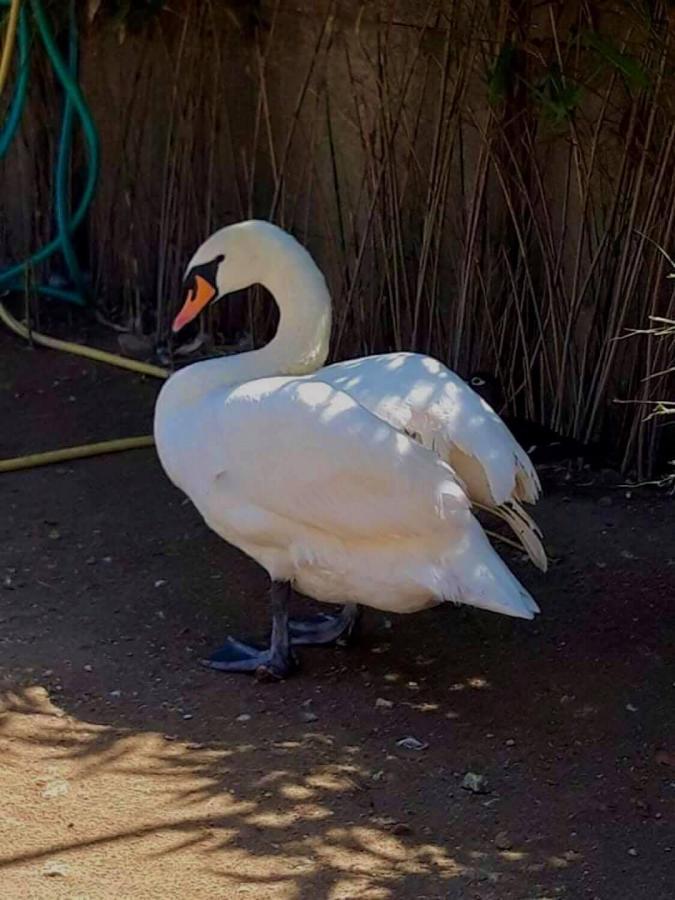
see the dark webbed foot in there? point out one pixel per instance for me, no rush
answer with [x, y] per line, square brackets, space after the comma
[273, 662]
[325, 628]
[236, 656]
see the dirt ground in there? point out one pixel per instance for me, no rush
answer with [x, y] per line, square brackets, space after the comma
[127, 771]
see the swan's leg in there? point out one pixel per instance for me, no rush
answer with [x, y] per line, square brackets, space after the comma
[325, 628]
[275, 661]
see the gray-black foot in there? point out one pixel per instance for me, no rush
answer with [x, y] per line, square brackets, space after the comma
[324, 628]
[236, 656]
[272, 663]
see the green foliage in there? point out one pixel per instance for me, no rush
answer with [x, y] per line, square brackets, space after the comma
[631, 70]
[558, 97]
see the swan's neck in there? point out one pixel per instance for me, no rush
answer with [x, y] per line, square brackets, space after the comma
[301, 343]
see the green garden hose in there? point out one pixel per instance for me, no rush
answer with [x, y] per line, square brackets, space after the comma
[74, 102]
[12, 278]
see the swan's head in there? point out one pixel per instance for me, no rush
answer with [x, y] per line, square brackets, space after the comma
[487, 387]
[228, 261]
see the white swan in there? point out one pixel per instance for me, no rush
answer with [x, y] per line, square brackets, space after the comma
[347, 482]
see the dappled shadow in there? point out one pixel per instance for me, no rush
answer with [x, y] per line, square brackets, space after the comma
[299, 813]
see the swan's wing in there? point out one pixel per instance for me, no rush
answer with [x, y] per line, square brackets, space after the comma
[307, 452]
[294, 462]
[421, 396]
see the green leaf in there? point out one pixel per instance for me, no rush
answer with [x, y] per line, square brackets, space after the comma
[557, 96]
[630, 68]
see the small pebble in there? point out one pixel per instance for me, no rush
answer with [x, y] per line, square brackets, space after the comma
[401, 828]
[244, 717]
[381, 703]
[503, 841]
[476, 783]
[632, 852]
[411, 743]
[88, 668]
[309, 716]
[56, 788]
[510, 743]
[188, 716]
[56, 868]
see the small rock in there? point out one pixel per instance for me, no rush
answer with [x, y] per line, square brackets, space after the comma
[664, 758]
[54, 534]
[136, 345]
[631, 708]
[244, 717]
[627, 554]
[55, 868]
[309, 716]
[115, 694]
[88, 668]
[632, 852]
[160, 583]
[56, 788]
[187, 716]
[503, 841]
[401, 828]
[476, 783]
[381, 703]
[378, 776]
[510, 743]
[411, 743]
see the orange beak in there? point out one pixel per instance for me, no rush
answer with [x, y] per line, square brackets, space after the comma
[195, 302]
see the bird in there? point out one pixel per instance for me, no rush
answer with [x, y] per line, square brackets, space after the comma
[544, 446]
[354, 484]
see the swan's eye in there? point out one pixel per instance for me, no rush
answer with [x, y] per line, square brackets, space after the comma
[477, 381]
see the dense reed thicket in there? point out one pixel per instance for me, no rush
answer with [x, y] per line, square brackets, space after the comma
[479, 180]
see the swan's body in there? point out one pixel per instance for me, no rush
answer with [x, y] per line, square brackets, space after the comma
[351, 482]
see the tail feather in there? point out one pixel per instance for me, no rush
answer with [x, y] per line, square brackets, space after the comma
[484, 580]
[526, 530]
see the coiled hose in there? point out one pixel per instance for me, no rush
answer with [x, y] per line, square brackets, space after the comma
[13, 277]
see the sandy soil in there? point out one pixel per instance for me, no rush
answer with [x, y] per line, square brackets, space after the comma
[127, 771]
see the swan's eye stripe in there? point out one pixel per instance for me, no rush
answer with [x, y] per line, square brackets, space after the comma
[207, 270]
